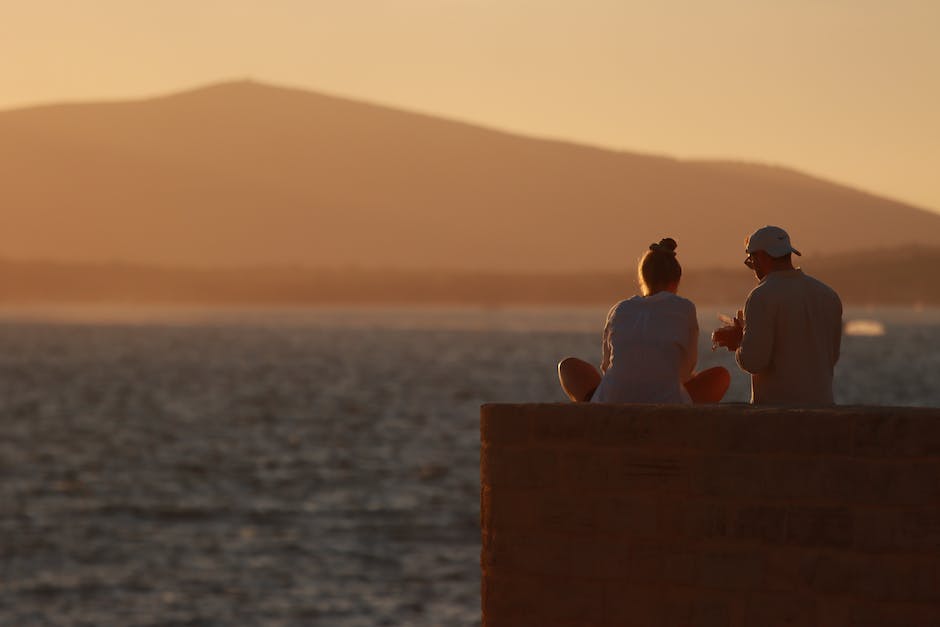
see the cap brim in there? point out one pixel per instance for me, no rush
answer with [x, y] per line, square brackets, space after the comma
[796, 252]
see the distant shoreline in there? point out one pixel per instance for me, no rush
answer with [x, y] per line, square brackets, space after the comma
[510, 318]
[902, 277]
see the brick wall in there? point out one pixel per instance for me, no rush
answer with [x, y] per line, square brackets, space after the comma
[720, 516]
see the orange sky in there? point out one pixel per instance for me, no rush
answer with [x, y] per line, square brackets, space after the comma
[845, 89]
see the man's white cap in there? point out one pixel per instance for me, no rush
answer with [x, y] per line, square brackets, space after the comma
[771, 239]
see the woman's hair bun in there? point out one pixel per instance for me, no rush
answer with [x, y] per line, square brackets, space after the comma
[665, 245]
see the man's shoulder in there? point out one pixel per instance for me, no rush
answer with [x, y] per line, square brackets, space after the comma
[762, 291]
[773, 286]
[817, 282]
[821, 287]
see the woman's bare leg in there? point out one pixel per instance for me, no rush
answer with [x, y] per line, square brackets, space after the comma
[709, 386]
[578, 378]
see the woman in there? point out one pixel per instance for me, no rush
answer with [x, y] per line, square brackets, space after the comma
[650, 345]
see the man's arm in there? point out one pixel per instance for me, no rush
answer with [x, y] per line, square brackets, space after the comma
[837, 338]
[757, 344]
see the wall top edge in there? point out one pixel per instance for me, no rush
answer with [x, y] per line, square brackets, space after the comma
[720, 409]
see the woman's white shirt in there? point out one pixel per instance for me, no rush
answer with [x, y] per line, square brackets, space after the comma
[650, 349]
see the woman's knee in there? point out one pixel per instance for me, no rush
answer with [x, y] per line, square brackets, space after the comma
[572, 366]
[578, 378]
[709, 386]
[717, 375]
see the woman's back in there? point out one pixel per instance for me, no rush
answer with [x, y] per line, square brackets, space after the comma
[650, 350]
[650, 345]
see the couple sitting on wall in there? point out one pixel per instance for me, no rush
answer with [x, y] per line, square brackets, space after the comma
[787, 337]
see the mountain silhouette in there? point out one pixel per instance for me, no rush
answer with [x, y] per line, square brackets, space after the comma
[242, 174]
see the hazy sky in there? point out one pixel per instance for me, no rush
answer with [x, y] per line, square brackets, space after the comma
[845, 89]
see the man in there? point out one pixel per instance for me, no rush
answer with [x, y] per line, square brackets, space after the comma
[790, 334]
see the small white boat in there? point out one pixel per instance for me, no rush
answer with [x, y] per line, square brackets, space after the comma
[865, 328]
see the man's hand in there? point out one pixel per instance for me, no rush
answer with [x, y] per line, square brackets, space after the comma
[729, 335]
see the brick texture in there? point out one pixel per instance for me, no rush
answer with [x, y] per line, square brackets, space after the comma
[730, 516]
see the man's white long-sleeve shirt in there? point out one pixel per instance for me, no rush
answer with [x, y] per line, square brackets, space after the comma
[792, 338]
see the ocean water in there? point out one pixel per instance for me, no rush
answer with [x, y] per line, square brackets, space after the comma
[294, 467]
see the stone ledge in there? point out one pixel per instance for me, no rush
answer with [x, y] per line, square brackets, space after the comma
[645, 514]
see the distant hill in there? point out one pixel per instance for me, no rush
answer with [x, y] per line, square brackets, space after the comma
[875, 277]
[244, 174]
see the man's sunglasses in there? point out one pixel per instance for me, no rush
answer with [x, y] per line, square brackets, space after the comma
[749, 262]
